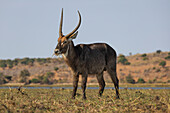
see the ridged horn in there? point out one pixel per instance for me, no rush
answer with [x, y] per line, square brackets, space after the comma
[68, 35]
[61, 23]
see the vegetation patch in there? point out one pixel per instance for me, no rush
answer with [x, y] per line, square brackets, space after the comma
[58, 100]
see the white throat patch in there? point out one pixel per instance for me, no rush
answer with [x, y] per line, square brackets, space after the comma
[66, 54]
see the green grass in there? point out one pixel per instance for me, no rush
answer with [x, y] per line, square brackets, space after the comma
[58, 100]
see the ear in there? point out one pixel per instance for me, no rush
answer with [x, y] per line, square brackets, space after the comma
[73, 36]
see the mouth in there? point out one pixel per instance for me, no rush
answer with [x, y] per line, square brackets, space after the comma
[57, 53]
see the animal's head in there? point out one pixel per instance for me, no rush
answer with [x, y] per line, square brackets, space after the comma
[64, 40]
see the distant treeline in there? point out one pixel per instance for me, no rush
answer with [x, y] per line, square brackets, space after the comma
[25, 61]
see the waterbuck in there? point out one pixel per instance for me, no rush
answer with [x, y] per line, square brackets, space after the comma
[87, 59]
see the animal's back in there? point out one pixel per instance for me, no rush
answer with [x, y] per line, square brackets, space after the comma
[95, 56]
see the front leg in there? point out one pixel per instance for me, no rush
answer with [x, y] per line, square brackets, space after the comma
[75, 84]
[83, 84]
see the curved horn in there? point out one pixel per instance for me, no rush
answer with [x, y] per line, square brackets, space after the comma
[61, 23]
[68, 35]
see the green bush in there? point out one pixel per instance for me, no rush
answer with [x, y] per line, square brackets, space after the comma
[56, 68]
[24, 72]
[3, 63]
[129, 79]
[41, 60]
[141, 80]
[168, 57]
[158, 70]
[144, 55]
[23, 76]
[145, 58]
[50, 74]
[168, 81]
[150, 81]
[9, 63]
[122, 59]
[15, 61]
[162, 63]
[46, 80]
[34, 80]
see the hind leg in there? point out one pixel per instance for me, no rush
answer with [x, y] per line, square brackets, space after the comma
[101, 83]
[83, 84]
[115, 80]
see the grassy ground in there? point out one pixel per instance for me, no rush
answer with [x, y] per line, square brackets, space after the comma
[58, 100]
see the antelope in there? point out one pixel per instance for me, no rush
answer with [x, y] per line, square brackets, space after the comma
[87, 59]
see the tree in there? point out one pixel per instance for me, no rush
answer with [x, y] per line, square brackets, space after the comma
[158, 51]
[23, 75]
[129, 79]
[163, 63]
[141, 80]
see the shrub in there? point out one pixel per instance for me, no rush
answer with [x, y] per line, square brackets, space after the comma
[25, 61]
[168, 57]
[23, 75]
[15, 62]
[168, 81]
[41, 60]
[122, 59]
[158, 51]
[163, 63]
[154, 80]
[158, 70]
[9, 63]
[8, 77]
[56, 68]
[34, 80]
[2, 79]
[145, 58]
[169, 53]
[150, 81]
[3, 63]
[141, 80]
[50, 74]
[144, 55]
[46, 80]
[129, 79]
[24, 72]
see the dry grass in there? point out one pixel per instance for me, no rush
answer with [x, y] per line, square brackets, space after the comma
[58, 100]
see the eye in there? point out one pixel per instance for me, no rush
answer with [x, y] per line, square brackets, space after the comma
[64, 42]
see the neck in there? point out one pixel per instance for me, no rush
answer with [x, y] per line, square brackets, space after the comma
[70, 55]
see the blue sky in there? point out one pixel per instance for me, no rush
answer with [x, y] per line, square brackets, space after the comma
[29, 28]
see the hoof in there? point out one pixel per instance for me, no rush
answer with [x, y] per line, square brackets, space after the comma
[72, 97]
[117, 97]
[84, 98]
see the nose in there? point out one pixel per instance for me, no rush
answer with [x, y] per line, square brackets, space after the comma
[56, 51]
